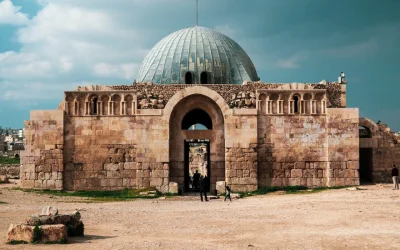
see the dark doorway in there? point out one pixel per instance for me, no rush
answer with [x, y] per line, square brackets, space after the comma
[203, 78]
[197, 158]
[188, 78]
[365, 169]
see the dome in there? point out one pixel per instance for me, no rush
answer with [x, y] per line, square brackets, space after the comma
[197, 55]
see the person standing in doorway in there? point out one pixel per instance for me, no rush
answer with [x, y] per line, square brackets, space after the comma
[196, 178]
[203, 187]
[395, 177]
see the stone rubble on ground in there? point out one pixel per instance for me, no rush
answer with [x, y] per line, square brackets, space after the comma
[54, 227]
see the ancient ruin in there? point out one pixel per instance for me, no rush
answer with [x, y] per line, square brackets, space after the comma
[254, 134]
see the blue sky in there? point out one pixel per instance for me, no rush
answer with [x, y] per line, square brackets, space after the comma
[48, 46]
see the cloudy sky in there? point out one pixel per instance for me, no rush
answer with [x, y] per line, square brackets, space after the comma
[48, 46]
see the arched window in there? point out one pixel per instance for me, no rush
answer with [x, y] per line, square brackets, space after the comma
[188, 78]
[296, 99]
[94, 106]
[196, 119]
[204, 78]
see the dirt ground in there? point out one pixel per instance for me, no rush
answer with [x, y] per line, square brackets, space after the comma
[334, 219]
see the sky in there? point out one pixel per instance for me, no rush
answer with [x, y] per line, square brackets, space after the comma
[51, 46]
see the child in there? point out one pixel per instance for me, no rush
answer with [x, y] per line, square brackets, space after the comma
[227, 193]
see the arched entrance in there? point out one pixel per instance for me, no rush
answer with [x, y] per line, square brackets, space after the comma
[368, 142]
[365, 156]
[200, 149]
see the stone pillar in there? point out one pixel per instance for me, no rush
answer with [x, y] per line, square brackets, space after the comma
[123, 108]
[66, 107]
[112, 108]
[86, 108]
[100, 110]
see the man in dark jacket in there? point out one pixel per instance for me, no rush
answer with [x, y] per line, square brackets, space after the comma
[203, 187]
[395, 177]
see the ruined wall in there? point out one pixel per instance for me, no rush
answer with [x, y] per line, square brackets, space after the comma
[385, 155]
[42, 163]
[111, 153]
[292, 150]
[343, 147]
[385, 150]
[9, 170]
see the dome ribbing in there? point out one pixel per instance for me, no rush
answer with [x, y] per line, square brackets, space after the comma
[197, 55]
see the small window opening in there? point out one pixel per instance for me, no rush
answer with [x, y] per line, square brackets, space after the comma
[203, 78]
[188, 78]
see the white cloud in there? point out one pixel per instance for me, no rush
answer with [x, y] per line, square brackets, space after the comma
[10, 14]
[67, 43]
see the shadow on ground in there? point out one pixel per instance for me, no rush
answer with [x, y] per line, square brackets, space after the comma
[87, 239]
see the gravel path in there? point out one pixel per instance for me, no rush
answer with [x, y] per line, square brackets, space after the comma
[334, 219]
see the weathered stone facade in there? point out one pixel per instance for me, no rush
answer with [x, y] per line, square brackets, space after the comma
[379, 150]
[10, 170]
[116, 137]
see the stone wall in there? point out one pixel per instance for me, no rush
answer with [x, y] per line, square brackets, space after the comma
[319, 150]
[9, 170]
[241, 154]
[385, 150]
[116, 153]
[343, 145]
[42, 163]
[292, 150]
[108, 151]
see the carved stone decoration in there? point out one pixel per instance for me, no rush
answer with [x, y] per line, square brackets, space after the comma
[120, 153]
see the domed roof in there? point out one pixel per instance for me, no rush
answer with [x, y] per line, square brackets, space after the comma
[197, 55]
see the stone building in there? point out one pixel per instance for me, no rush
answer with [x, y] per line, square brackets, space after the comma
[254, 134]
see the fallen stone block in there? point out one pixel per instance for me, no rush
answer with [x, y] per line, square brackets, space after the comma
[48, 233]
[235, 196]
[49, 211]
[64, 219]
[220, 187]
[20, 232]
[53, 233]
[3, 179]
[173, 188]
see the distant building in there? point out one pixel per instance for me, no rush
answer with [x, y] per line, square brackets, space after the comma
[21, 133]
[9, 139]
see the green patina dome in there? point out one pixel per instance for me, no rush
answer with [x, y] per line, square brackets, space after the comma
[197, 55]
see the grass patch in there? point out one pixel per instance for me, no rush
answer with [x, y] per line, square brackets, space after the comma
[289, 190]
[117, 195]
[6, 160]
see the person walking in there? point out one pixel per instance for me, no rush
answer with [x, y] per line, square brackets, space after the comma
[395, 177]
[203, 187]
[227, 193]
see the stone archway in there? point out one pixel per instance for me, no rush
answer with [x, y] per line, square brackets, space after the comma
[179, 135]
[367, 142]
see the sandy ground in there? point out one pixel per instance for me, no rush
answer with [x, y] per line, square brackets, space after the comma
[334, 219]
